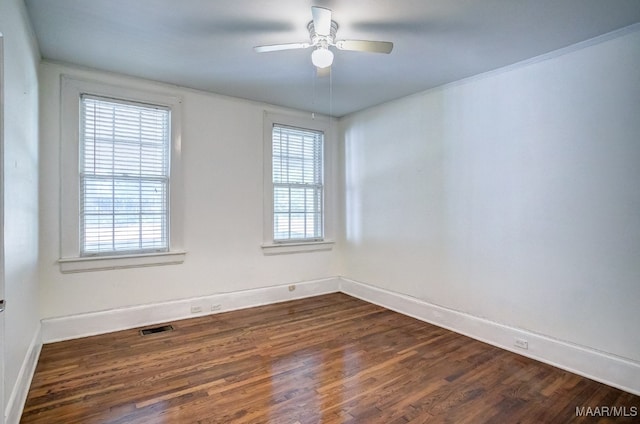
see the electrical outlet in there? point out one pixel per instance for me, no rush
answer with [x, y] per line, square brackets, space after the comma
[216, 307]
[196, 309]
[522, 344]
[292, 287]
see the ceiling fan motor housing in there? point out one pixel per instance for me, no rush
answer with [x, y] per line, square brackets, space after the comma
[322, 40]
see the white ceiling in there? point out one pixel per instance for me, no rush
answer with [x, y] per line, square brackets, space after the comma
[207, 44]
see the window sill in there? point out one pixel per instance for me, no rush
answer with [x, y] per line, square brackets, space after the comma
[286, 248]
[102, 263]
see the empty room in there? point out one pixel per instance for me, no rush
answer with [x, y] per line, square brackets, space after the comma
[319, 211]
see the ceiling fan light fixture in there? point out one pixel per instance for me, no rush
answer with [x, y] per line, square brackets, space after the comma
[322, 35]
[322, 57]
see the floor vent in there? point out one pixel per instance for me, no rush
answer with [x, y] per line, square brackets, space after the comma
[156, 330]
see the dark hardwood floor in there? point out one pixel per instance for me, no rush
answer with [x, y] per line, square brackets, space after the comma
[330, 359]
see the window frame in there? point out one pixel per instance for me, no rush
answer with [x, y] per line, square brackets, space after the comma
[91, 173]
[71, 90]
[317, 123]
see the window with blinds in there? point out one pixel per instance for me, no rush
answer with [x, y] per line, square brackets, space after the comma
[124, 177]
[298, 188]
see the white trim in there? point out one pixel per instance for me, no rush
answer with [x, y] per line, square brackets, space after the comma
[70, 90]
[581, 45]
[3, 354]
[89, 324]
[600, 366]
[285, 248]
[18, 398]
[517, 65]
[102, 263]
[317, 123]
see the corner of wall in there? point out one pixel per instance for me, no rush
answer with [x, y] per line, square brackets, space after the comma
[600, 366]
[18, 396]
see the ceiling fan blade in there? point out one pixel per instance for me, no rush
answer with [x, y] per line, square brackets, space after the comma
[321, 20]
[365, 46]
[278, 47]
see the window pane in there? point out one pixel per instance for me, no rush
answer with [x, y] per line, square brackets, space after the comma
[124, 176]
[281, 226]
[281, 199]
[298, 183]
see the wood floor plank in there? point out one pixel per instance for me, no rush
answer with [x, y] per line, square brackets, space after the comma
[330, 359]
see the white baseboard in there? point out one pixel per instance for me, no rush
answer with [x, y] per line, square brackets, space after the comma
[596, 365]
[18, 397]
[89, 324]
[593, 364]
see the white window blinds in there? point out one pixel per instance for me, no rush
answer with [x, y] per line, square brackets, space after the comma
[298, 188]
[124, 176]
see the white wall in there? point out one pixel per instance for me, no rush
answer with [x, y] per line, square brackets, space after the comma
[20, 169]
[512, 196]
[222, 143]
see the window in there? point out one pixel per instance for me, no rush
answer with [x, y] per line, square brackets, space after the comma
[296, 189]
[124, 176]
[121, 179]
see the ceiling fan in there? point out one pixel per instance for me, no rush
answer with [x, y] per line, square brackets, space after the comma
[322, 32]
